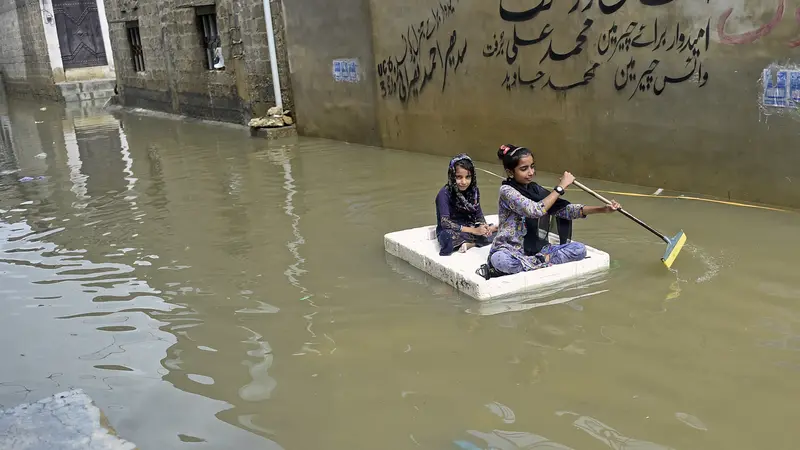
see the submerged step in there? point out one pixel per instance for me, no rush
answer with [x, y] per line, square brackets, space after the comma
[82, 91]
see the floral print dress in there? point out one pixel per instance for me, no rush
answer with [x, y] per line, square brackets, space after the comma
[506, 254]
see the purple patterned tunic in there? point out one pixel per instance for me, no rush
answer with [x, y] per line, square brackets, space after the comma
[449, 221]
[513, 209]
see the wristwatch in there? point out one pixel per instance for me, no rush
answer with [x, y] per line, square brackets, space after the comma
[559, 190]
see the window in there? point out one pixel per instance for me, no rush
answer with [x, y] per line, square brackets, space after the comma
[135, 42]
[207, 25]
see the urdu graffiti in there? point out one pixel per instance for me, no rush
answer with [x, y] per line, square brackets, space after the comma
[622, 45]
[424, 57]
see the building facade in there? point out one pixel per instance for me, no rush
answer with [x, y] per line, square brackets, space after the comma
[200, 58]
[50, 48]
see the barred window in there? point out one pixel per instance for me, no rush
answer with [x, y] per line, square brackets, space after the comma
[135, 43]
[209, 32]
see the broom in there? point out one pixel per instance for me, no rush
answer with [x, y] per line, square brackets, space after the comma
[674, 245]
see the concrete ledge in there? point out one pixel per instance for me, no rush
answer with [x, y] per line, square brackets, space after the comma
[26, 89]
[113, 107]
[69, 420]
[274, 133]
[265, 133]
[420, 248]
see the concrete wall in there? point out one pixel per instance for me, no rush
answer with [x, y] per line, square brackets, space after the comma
[176, 79]
[665, 96]
[51, 38]
[24, 55]
[317, 34]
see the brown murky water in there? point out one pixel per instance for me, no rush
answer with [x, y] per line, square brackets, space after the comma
[216, 291]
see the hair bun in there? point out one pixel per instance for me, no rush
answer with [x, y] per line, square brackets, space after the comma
[504, 149]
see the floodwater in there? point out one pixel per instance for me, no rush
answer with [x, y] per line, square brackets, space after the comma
[210, 290]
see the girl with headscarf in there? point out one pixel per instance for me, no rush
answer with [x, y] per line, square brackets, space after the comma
[460, 223]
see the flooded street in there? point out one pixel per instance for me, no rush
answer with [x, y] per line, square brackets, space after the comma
[210, 290]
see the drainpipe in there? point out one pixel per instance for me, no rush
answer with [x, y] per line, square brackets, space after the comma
[273, 55]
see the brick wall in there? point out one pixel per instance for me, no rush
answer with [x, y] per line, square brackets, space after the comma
[176, 79]
[24, 60]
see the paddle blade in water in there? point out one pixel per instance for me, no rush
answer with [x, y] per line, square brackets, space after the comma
[673, 248]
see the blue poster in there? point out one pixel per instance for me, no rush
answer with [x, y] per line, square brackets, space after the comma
[345, 70]
[337, 70]
[775, 92]
[352, 71]
[794, 89]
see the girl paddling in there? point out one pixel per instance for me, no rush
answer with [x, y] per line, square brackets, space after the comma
[460, 223]
[521, 200]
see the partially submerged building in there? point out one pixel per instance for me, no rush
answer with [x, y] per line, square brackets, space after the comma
[634, 93]
[200, 58]
[57, 49]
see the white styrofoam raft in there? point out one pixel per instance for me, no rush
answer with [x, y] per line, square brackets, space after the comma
[420, 248]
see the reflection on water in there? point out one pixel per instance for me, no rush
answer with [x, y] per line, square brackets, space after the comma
[511, 440]
[211, 289]
[514, 440]
[611, 437]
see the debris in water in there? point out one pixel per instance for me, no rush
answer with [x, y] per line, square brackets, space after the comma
[658, 191]
[466, 445]
[27, 179]
[42, 109]
[691, 421]
[503, 411]
[42, 155]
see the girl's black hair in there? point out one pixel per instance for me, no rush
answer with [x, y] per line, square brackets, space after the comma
[511, 154]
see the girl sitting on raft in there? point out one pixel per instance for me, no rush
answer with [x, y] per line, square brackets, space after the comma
[460, 223]
[521, 199]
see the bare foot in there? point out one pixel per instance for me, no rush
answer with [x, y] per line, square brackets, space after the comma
[465, 246]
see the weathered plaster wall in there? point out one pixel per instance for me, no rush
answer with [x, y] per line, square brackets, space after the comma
[317, 34]
[24, 56]
[176, 79]
[659, 93]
